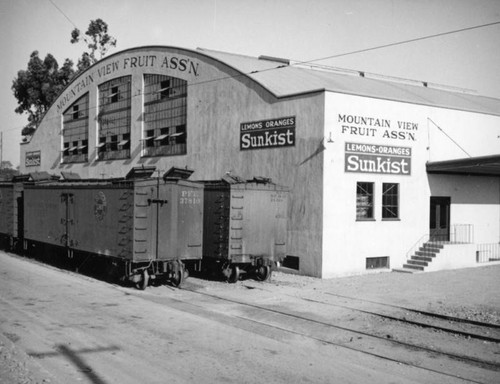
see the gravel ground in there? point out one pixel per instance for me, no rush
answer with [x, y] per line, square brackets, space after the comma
[467, 293]
[16, 367]
[470, 293]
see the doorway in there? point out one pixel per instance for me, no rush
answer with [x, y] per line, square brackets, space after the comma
[440, 218]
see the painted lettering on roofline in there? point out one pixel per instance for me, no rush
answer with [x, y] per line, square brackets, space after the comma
[177, 63]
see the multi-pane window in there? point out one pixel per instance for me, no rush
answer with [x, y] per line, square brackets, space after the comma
[165, 111]
[364, 201]
[75, 131]
[114, 119]
[390, 201]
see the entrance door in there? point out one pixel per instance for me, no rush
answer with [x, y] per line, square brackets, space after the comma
[440, 218]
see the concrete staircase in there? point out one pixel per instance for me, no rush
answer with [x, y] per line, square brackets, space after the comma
[421, 258]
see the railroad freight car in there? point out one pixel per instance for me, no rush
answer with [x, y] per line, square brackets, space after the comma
[146, 229]
[245, 226]
[6, 215]
[11, 208]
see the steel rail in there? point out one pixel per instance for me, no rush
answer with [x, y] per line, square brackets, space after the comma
[467, 359]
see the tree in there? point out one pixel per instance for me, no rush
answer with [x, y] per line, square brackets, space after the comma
[7, 171]
[37, 87]
[98, 41]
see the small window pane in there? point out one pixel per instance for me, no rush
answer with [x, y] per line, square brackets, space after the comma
[364, 201]
[390, 201]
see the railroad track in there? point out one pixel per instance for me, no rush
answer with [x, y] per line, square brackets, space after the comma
[303, 321]
[446, 323]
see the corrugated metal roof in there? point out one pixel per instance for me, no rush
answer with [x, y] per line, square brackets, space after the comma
[485, 165]
[288, 80]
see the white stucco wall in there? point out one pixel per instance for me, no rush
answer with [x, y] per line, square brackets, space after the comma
[348, 242]
[475, 200]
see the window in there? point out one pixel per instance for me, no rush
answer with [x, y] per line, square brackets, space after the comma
[75, 131]
[165, 111]
[164, 89]
[364, 201]
[114, 119]
[390, 201]
[377, 262]
[114, 95]
[75, 111]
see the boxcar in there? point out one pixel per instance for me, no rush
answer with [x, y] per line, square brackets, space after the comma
[147, 228]
[6, 215]
[11, 212]
[245, 226]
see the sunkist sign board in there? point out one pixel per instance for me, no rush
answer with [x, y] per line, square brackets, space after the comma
[372, 158]
[272, 133]
[33, 159]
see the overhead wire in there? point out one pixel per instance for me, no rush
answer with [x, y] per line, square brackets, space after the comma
[449, 137]
[400, 42]
[296, 63]
[66, 16]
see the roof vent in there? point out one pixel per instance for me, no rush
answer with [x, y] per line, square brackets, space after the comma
[178, 173]
[140, 172]
[276, 59]
[70, 176]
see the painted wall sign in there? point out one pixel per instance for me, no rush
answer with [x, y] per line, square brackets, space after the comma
[272, 133]
[368, 126]
[33, 159]
[372, 158]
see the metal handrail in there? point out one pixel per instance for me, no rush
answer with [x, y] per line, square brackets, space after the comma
[459, 234]
[424, 239]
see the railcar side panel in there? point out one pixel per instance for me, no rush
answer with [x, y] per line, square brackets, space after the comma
[101, 219]
[258, 222]
[243, 221]
[181, 220]
[7, 211]
[216, 221]
[44, 216]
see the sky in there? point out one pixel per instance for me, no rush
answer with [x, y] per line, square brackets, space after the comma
[302, 30]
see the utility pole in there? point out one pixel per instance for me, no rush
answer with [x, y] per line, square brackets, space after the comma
[1, 150]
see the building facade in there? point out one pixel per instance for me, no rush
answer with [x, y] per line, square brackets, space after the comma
[369, 163]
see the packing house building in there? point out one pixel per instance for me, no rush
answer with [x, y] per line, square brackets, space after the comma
[377, 169]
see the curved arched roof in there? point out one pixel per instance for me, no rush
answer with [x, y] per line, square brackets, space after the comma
[284, 80]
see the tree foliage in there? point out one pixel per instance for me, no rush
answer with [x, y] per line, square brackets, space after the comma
[7, 171]
[37, 87]
[98, 42]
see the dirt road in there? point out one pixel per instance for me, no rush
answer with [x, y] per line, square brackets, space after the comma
[60, 327]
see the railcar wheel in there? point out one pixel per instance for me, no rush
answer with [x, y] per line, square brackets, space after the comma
[263, 273]
[178, 278]
[143, 283]
[234, 275]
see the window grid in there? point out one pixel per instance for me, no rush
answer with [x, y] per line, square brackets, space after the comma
[114, 119]
[390, 201]
[364, 201]
[76, 131]
[165, 111]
